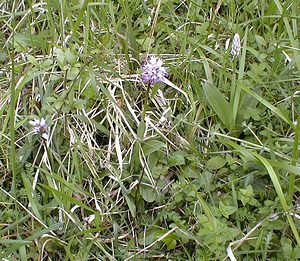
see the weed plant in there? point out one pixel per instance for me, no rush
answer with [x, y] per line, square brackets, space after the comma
[99, 161]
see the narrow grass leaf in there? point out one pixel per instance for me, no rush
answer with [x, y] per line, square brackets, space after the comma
[30, 195]
[67, 198]
[292, 33]
[29, 240]
[151, 146]
[271, 107]
[280, 194]
[207, 70]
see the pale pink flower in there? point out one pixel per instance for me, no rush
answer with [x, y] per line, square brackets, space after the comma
[236, 46]
[153, 71]
[40, 127]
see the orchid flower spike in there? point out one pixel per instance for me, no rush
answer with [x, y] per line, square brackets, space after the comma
[236, 46]
[153, 71]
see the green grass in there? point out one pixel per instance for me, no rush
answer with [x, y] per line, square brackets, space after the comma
[202, 167]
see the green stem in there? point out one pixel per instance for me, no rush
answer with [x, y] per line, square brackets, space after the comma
[12, 114]
[294, 161]
[233, 82]
[141, 131]
[146, 103]
[234, 94]
[235, 199]
[12, 118]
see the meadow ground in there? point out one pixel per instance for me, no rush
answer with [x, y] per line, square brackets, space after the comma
[149, 130]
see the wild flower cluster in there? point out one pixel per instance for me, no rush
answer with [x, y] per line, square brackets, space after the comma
[153, 71]
[40, 127]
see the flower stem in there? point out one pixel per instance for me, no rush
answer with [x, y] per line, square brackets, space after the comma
[146, 103]
[141, 132]
[12, 116]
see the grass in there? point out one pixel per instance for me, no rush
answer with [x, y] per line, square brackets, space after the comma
[202, 167]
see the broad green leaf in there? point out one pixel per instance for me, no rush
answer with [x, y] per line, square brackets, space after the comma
[79, 104]
[177, 158]
[219, 104]
[32, 59]
[151, 146]
[148, 193]
[171, 244]
[30, 40]
[72, 73]
[215, 163]
[141, 130]
[47, 63]
[149, 237]
[30, 195]
[145, 42]
[131, 204]
[70, 57]
[225, 210]
[190, 172]
[276, 225]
